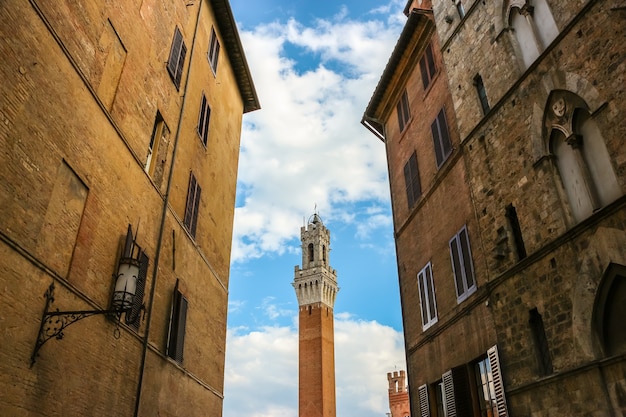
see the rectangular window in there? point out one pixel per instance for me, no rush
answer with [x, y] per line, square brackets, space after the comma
[214, 51]
[427, 66]
[178, 321]
[203, 120]
[482, 93]
[511, 215]
[544, 360]
[412, 180]
[403, 111]
[177, 58]
[441, 138]
[427, 297]
[193, 203]
[424, 405]
[462, 266]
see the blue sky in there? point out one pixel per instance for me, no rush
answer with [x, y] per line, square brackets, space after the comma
[315, 66]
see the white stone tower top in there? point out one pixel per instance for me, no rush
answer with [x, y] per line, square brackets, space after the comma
[316, 281]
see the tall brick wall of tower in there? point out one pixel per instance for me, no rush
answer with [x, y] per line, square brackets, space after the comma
[316, 361]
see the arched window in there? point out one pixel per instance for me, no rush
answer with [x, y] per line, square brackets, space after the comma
[324, 253]
[533, 27]
[583, 162]
[311, 253]
[610, 310]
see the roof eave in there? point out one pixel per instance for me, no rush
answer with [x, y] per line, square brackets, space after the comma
[236, 55]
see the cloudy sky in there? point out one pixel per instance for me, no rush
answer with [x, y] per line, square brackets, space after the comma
[315, 65]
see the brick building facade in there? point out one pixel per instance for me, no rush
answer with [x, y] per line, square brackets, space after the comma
[516, 313]
[114, 117]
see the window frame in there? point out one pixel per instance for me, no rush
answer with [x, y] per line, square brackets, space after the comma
[176, 59]
[426, 289]
[465, 262]
[412, 180]
[441, 138]
[404, 111]
[214, 51]
[192, 206]
[204, 119]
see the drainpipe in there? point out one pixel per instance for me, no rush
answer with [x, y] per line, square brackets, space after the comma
[162, 227]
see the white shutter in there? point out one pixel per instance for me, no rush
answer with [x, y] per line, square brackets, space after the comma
[494, 362]
[448, 387]
[423, 396]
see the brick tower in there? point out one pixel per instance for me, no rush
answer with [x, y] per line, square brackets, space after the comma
[398, 395]
[316, 288]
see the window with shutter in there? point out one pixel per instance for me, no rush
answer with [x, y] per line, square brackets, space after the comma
[462, 265]
[203, 120]
[412, 180]
[178, 321]
[214, 50]
[403, 111]
[441, 138]
[498, 385]
[427, 66]
[427, 297]
[423, 397]
[448, 391]
[193, 202]
[176, 59]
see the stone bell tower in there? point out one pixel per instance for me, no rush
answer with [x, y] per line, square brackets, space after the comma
[316, 288]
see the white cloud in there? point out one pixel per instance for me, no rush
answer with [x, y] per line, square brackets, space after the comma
[306, 146]
[261, 377]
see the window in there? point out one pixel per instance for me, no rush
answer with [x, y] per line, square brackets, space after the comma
[427, 66]
[311, 253]
[482, 93]
[178, 321]
[511, 215]
[459, 8]
[544, 360]
[193, 203]
[441, 138]
[203, 120]
[534, 28]
[610, 310]
[157, 155]
[424, 406]
[427, 297]
[583, 162]
[214, 50]
[486, 388]
[462, 265]
[177, 58]
[412, 180]
[403, 111]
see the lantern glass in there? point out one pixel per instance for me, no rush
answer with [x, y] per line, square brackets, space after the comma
[126, 284]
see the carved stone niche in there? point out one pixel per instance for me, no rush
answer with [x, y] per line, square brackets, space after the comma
[560, 110]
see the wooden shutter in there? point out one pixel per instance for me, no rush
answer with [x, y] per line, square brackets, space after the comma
[176, 59]
[181, 62]
[412, 180]
[178, 321]
[195, 210]
[462, 392]
[191, 209]
[448, 388]
[423, 397]
[494, 362]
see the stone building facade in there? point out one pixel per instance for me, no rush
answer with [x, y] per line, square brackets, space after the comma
[399, 404]
[114, 117]
[316, 289]
[537, 89]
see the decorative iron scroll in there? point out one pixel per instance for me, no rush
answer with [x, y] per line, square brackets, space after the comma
[54, 323]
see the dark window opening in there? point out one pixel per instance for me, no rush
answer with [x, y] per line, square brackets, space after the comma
[203, 120]
[193, 203]
[176, 339]
[412, 180]
[311, 253]
[511, 215]
[427, 66]
[403, 111]
[441, 138]
[544, 361]
[482, 93]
